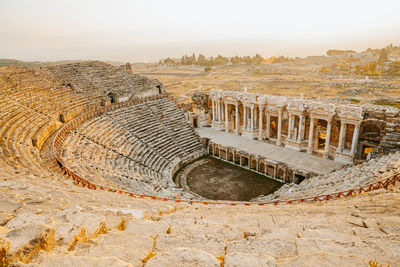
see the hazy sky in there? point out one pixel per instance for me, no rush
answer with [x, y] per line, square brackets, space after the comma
[112, 29]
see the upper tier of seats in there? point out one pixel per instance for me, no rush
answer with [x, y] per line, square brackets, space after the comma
[33, 105]
[134, 148]
[96, 79]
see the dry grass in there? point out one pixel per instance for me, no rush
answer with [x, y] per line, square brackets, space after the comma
[183, 81]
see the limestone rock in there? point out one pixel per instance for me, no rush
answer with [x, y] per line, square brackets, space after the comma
[322, 259]
[237, 259]
[9, 206]
[27, 241]
[69, 260]
[182, 257]
[277, 248]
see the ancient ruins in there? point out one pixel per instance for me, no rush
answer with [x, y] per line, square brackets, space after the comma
[96, 162]
[342, 132]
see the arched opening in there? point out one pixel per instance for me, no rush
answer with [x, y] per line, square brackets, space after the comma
[245, 162]
[321, 134]
[111, 97]
[159, 89]
[370, 138]
[371, 131]
[298, 178]
[253, 164]
[261, 167]
[280, 175]
[270, 171]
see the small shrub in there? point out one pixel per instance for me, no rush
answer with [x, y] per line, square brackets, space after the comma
[207, 69]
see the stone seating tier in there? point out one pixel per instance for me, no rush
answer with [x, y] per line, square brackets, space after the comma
[95, 79]
[133, 148]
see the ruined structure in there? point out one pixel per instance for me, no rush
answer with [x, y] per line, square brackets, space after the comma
[86, 177]
[342, 132]
[106, 83]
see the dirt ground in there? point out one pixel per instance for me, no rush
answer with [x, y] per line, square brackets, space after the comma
[217, 179]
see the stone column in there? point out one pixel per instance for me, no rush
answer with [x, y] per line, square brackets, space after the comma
[244, 117]
[310, 136]
[226, 118]
[299, 137]
[213, 110]
[217, 110]
[261, 108]
[221, 110]
[342, 136]
[252, 118]
[278, 138]
[268, 130]
[289, 127]
[355, 139]
[327, 138]
[237, 119]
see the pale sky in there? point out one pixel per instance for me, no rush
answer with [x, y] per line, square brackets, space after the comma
[149, 29]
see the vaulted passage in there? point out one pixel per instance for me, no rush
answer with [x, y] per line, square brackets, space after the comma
[219, 180]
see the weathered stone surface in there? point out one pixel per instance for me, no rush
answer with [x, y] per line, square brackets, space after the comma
[27, 241]
[9, 206]
[127, 247]
[69, 260]
[247, 260]
[322, 259]
[180, 257]
[277, 248]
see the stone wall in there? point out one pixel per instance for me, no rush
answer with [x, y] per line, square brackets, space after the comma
[330, 129]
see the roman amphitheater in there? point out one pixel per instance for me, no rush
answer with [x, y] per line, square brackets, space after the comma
[100, 167]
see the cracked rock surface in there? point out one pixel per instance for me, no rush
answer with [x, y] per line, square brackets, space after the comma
[52, 222]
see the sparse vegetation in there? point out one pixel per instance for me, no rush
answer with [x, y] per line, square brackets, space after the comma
[375, 263]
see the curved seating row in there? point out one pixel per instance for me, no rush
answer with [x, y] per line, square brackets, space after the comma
[133, 148]
[30, 101]
[95, 78]
[339, 180]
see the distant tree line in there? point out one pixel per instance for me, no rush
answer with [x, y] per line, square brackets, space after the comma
[334, 52]
[219, 60]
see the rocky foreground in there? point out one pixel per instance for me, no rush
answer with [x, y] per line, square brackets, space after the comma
[49, 221]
